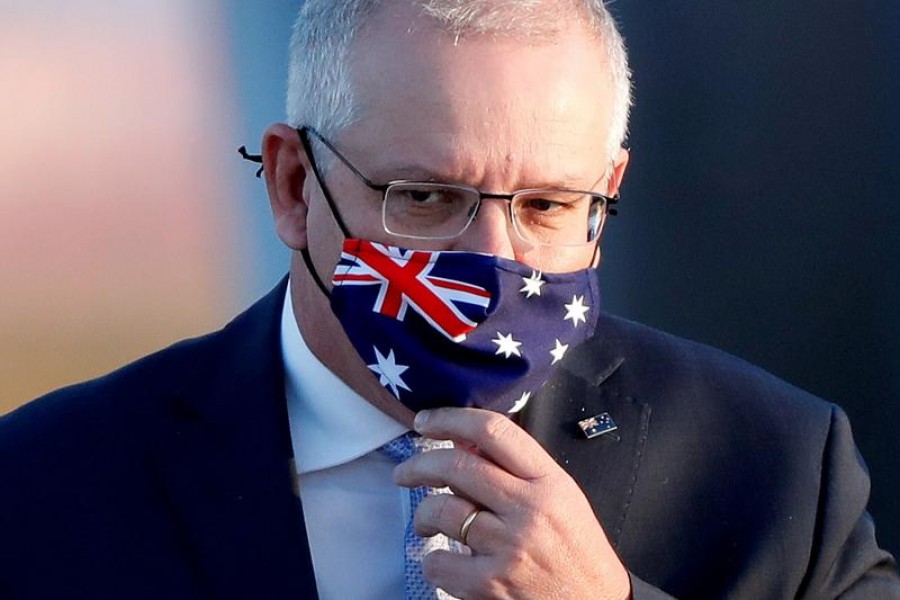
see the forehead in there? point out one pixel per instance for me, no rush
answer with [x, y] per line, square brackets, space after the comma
[480, 101]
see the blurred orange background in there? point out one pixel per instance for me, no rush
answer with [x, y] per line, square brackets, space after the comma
[117, 232]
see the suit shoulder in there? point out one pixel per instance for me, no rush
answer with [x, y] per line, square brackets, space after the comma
[666, 367]
[97, 407]
[133, 396]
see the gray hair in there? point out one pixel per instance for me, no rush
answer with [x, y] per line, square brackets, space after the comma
[320, 91]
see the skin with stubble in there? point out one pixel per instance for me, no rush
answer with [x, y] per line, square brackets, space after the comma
[501, 114]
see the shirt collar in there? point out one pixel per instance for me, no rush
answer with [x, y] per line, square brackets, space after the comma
[330, 423]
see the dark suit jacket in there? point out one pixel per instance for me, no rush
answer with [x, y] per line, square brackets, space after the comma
[171, 477]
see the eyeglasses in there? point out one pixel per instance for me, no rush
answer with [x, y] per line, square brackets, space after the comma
[426, 210]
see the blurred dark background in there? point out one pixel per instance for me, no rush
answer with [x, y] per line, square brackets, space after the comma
[762, 211]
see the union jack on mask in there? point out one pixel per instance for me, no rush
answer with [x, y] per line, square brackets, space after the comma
[459, 328]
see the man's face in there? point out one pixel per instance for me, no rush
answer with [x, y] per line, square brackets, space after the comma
[499, 114]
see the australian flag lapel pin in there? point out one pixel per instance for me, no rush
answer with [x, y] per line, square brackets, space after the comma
[597, 425]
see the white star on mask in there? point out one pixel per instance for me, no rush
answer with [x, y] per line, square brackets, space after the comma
[532, 285]
[390, 372]
[558, 352]
[576, 310]
[520, 403]
[506, 345]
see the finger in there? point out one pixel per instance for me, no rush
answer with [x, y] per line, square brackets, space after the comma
[459, 575]
[495, 436]
[467, 475]
[446, 513]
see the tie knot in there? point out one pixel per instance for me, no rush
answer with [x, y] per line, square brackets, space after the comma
[409, 444]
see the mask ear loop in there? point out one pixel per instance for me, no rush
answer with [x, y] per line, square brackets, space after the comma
[303, 134]
[307, 260]
[307, 147]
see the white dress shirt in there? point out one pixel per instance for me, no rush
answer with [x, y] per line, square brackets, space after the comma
[355, 514]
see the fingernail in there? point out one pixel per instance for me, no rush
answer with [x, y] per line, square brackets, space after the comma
[421, 419]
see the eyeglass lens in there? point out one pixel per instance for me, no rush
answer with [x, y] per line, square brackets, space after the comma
[440, 211]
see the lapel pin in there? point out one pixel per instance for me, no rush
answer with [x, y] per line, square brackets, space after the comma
[597, 425]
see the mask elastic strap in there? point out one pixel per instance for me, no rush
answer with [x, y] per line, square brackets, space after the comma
[307, 260]
[303, 134]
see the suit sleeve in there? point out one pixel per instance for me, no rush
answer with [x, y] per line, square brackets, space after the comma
[641, 590]
[846, 561]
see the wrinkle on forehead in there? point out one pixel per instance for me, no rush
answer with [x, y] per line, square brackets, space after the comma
[489, 112]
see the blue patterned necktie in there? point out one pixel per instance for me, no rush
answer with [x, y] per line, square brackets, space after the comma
[400, 449]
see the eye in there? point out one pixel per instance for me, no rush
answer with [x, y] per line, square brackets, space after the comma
[542, 204]
[432, 196]
[550, 202]
[426, 196]
[427, 210]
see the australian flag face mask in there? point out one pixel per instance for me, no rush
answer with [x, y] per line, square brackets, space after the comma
[459, 328]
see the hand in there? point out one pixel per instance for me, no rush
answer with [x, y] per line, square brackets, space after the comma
[536, 537]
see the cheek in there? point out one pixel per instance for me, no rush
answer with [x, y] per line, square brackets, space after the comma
[324, 237]
[557, 259]
[361, 217]
[360, 211]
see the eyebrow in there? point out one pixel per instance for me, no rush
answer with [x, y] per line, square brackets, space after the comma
[412, 172]
[417, 172]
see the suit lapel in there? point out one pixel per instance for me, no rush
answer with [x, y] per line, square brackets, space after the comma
[606, 467]
[225, 464]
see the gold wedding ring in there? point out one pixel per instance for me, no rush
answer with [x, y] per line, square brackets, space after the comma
[467, 525]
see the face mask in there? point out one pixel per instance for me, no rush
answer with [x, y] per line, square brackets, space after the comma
[459, 328]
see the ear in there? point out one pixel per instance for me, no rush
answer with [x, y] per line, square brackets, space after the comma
[287, 173]
[612, 189]
[618, 174]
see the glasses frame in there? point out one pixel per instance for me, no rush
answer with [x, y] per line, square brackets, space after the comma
[304, 132]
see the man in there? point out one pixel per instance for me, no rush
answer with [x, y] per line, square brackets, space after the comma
[626, 463]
